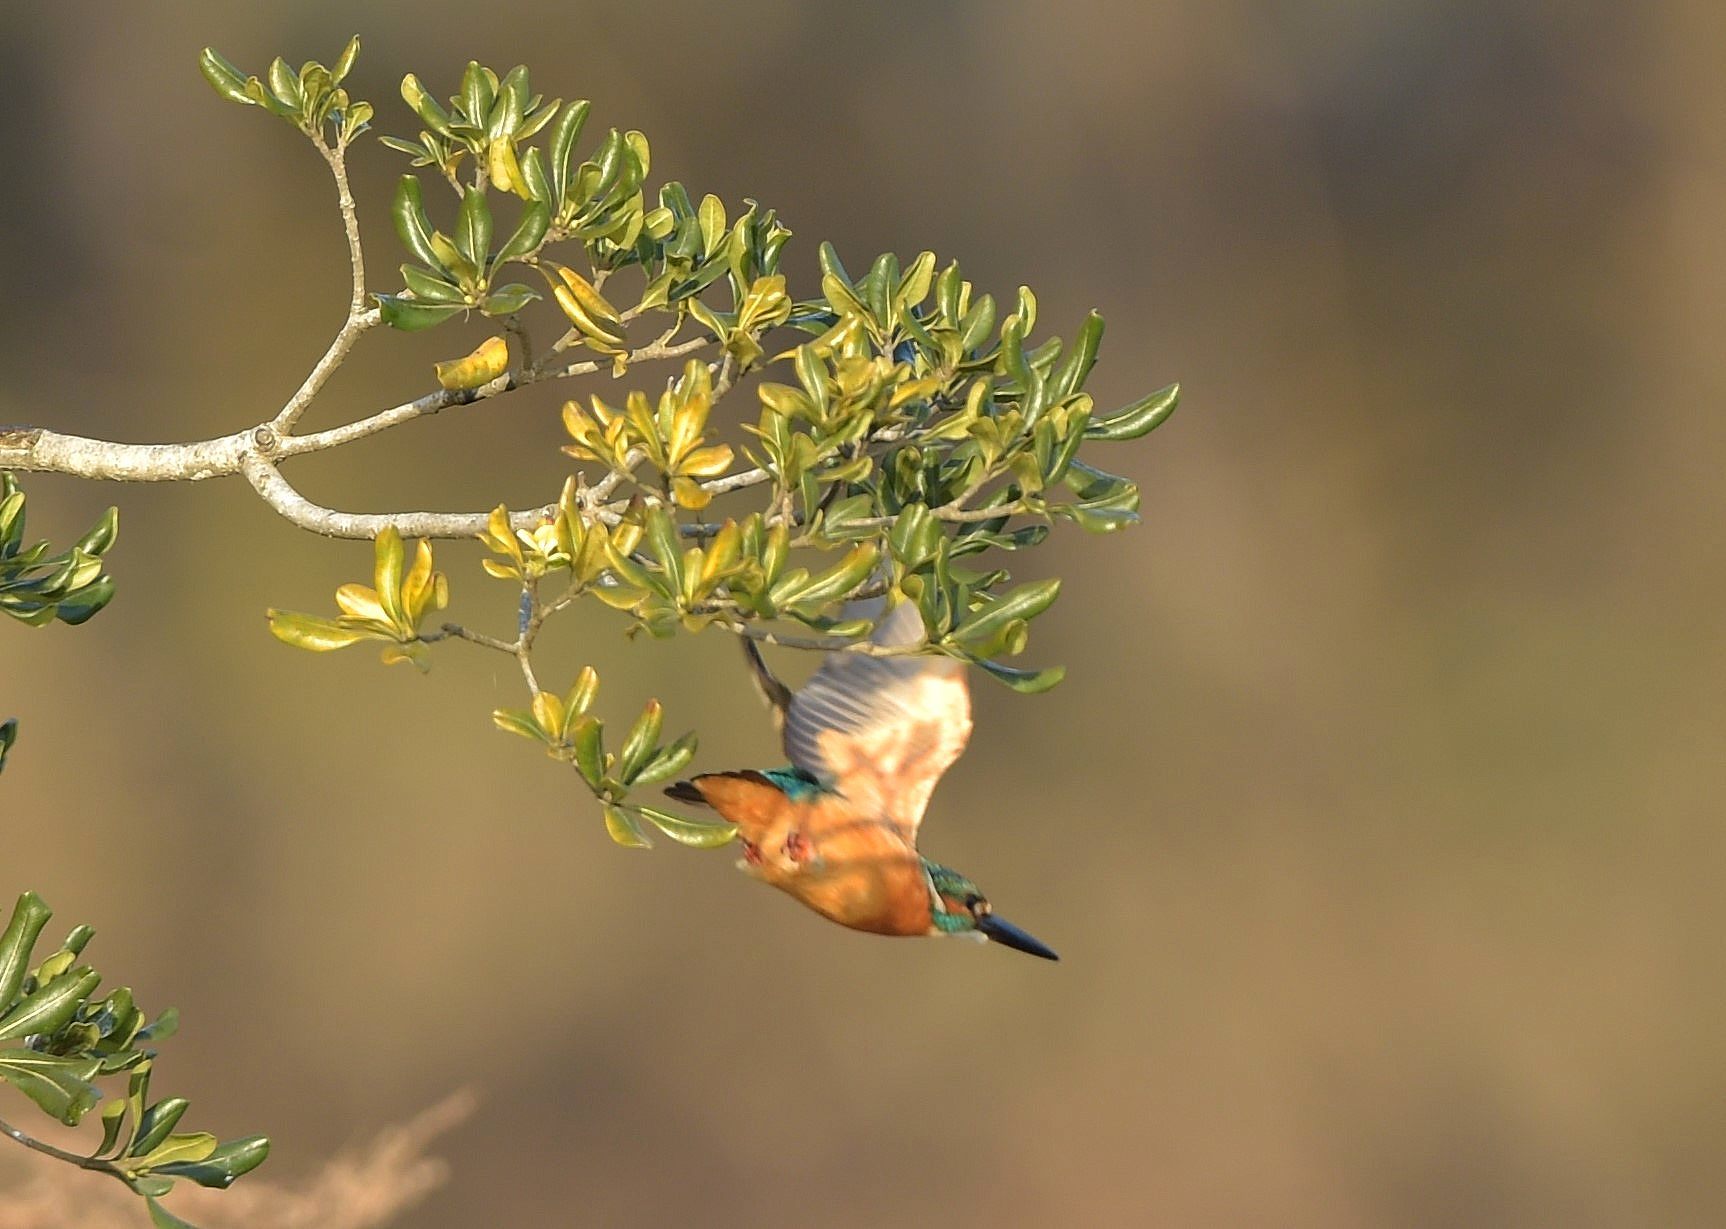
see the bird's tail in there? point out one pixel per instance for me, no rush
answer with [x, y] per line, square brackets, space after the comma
[749, 799]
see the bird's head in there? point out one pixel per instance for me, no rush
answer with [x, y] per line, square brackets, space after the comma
[961, 908]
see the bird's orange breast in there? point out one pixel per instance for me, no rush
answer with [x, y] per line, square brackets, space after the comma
[855, 870]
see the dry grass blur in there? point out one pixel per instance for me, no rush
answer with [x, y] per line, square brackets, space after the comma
[364, 1188]
[1378, 821]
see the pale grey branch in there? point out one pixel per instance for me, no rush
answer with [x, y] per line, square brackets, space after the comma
[277, 492]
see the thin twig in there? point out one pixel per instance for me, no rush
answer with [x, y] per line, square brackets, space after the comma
[93, 1164]
[359, 318]
[338, 160]
[534, 616]
[458, 632]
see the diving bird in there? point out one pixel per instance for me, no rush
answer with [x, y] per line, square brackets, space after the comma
[868, 737]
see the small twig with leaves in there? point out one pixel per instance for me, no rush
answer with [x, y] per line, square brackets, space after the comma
[57, 1040]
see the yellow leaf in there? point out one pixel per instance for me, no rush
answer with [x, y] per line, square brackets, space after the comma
[414, 653]
[619, 597]
[308, 632]
[548, 712]
[361, 603]
[594, 335]
[595, 318]
[624, 830]
[485, 364]
[688, 494]
[505, 168]
[707, 462]
[497, 535]
[581, 695]
[584, 291]
[419, 589]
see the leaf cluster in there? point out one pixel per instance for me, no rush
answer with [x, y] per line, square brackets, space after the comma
[390, 610]
[570, 734]
[308, 99]
[58, 1040]
[37, 587]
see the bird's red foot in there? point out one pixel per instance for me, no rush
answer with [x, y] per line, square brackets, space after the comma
[751, 852]
[798, 848]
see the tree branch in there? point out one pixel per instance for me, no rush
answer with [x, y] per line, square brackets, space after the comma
[280, 494]
[255, 451]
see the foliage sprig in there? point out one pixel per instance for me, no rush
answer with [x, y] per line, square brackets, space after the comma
[59, 1042]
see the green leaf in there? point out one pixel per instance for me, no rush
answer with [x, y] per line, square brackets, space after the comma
[191, 1147]
[699, 833]
[83, 603]
[586, 737]
[511, 104]
[220, 1169]
[712, 219]
[638, 747]
[425, 106]
[345, 62]
[845, 576]
[535, 221]
[662, 536]
[518, 721]
[1022, 604]
[411, 316]
[223, 77]
[473, 227]
[409, 214]
[915, 536]
[158, 1121]
[1025, 682]
[161, 1218]
[284, 85]
[564, 134]
[101, 535]
[29, 916]
[581, 694]
[507, 300]
[260, 94]
[476, 92]
[162, 1027]
[1140, 418]
[671, 759]
[59, 1084]
[113, 1120]
[623, 828]
[1069, 377]
[49, 1006]
[428, 287]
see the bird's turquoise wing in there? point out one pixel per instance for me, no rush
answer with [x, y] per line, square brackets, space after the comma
[882, 730]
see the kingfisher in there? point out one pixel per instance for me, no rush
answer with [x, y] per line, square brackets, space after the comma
[868, 737]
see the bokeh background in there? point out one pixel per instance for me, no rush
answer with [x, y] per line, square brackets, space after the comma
[1378, 822]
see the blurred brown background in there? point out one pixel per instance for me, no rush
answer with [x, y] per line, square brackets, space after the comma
[1378, 821]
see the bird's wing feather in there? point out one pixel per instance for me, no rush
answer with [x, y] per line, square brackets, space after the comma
[882, 730]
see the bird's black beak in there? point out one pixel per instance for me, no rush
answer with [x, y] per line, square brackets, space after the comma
[1005, 932]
